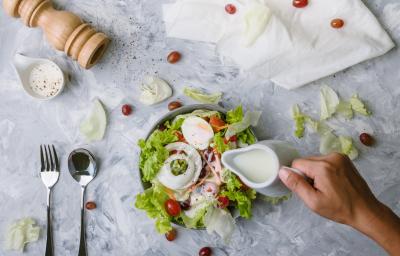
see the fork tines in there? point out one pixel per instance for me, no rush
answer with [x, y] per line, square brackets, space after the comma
[48, 158]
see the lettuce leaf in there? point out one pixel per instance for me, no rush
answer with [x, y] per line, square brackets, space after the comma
[242, 198]
[153, 153]
[358, 106]
[200, 113]
[152, 201]
[344, 109]
[276, 200]
[342, 144]
[197, 221]
[329, 102]
[20, 233]
[219, 221]
[347, 147]
[246, 138]
[249, 119]
[219, 142]
[299, 120]
[201, 96]
[234, 115]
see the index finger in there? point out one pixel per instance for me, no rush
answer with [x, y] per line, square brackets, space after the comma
[307, 166]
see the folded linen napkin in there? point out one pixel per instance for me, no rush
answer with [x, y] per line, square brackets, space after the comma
[290, 46]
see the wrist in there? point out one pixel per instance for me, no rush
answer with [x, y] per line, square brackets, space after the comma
[367, 216]
[379, 222]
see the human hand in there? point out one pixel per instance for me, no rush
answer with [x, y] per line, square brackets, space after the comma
[338, 192]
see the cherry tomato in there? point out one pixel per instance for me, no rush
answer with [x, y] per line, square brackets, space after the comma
[205, 251]
[300, 3]
[233, 138]
[367, 139]
[174, 105]
[174, 57]
[223, 202]
[90, 205]
[171, 235]
[217, 123]
[126, 110]
[337, 23]
[230, 8]
[172, 207]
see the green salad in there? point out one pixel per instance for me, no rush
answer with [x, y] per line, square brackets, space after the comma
[189, 184]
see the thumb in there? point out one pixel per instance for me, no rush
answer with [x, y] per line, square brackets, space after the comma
[296, 183]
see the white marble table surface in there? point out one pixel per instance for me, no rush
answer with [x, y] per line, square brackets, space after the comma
[138, 48]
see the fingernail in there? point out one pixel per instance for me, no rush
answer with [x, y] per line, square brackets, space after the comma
[283, 173]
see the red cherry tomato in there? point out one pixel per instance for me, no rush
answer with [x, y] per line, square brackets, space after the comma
[171, 235]
[126, 110]
[300, 3]
[367, 139]
[223, 202]
[172, 207]
[205, 251]
[337, 23]
[230, 8]
[231, 139]
[90, 205]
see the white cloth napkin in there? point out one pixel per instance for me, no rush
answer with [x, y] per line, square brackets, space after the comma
[297, 46]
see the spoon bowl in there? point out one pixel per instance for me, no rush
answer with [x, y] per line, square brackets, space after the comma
[82, 166]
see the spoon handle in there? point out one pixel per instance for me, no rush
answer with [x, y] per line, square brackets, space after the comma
[49, 242]
[82, 243]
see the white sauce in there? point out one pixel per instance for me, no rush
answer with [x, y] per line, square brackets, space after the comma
[257, 165]
[46, 79]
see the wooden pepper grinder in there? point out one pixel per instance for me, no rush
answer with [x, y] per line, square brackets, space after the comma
[64, 30]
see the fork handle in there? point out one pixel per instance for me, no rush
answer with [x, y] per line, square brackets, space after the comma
[49, 243]
[82, 243]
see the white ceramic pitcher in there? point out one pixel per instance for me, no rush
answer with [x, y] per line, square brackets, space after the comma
[282, 152]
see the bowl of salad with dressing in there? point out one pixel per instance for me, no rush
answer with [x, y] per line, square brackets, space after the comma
[183, 178]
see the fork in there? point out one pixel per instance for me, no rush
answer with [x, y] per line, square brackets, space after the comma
[49, 173]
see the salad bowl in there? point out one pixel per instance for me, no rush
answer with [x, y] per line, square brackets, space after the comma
[184, 180]
[174, 113]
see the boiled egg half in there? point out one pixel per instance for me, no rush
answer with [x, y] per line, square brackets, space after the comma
[197, 132]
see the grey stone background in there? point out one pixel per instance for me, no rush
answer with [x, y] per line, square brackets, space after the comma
[139, 47]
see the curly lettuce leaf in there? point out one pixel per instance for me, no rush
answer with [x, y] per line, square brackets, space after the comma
[299, 120]
[358, 106]
[246, 138]
[234, 115]
[152, 201]
[201, 96]
[241, 197]
[219, 143]
[329, 102]
[153, 153]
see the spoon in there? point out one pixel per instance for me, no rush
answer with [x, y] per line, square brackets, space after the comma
[83, 168]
